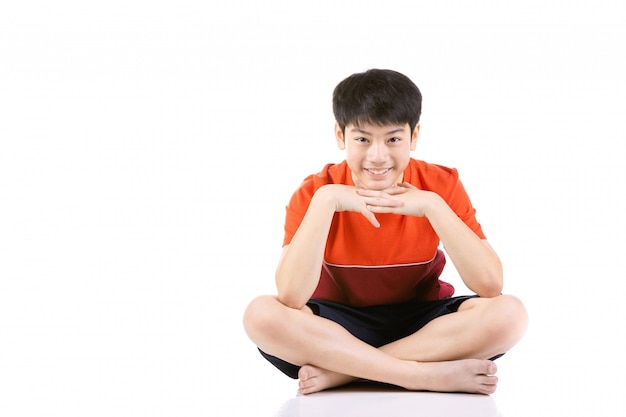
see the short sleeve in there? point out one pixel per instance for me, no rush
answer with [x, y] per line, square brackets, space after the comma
[459, 201]
[300, 200]
[297, 207]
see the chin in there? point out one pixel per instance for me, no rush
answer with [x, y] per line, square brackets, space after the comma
[378, 185]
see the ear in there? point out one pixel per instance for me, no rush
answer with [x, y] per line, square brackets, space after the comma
[416, 133]
[341, 141]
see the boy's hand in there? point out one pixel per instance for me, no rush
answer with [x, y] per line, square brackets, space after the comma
[347, 198]
[403, 199]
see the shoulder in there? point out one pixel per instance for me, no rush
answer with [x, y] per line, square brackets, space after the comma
[430, 176]
[330, 174]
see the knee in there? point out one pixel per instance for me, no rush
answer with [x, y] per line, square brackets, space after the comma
[509, 318]
[260, 317]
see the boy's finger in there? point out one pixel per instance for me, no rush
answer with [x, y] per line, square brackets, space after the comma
[382, 202]
[372, 218]
[396, 189]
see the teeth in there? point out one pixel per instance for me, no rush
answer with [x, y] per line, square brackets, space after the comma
[378, 171]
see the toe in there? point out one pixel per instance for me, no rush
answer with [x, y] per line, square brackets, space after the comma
[493, 368]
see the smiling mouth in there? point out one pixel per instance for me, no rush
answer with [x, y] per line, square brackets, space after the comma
[378, 171]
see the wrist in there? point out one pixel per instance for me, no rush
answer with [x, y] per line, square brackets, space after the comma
[325, 199]
[433, 204]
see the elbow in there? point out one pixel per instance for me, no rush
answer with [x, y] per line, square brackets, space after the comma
[486, 282]
[490, 292]
[491, 285]
[291, 296]
[292, 301]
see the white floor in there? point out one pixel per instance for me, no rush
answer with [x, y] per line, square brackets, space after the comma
[376, 401]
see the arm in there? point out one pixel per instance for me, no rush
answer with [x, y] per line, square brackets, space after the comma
[299, 268]
[477, 263]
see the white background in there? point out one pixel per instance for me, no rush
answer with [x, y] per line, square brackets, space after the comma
[148, 150]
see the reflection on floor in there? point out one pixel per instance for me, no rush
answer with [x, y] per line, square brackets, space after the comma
[366, 399]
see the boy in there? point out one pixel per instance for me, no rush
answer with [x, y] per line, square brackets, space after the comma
[358, 289]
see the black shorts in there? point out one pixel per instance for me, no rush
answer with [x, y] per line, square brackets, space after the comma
[376, 325]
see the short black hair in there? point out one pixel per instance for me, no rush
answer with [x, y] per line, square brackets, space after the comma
[377, 96]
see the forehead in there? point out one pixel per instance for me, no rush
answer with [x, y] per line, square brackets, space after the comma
[375, 129]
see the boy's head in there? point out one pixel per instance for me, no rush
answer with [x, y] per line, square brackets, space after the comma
[377, 97]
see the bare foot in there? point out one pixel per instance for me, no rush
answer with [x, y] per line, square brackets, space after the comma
[313, 379]
[468, 375]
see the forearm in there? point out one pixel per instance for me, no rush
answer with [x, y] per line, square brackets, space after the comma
[299, 268]
[477, 263]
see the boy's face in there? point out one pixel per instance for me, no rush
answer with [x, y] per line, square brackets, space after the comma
[377, 155]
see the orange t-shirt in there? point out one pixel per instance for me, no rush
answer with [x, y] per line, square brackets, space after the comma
[397, 262]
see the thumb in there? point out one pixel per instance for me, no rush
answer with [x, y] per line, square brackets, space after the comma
[409, 185]
[360, 185]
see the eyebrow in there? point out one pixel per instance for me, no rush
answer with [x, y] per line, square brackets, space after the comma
[365, 132]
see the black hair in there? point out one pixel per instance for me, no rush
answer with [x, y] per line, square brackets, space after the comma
[377, 96]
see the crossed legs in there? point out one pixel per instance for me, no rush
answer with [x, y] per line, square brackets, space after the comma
[448, 354]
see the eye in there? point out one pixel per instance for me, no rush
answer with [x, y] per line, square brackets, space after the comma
[362, 140]
[394, 140]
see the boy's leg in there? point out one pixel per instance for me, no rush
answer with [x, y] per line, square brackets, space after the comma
[332, 353]
[482, 328]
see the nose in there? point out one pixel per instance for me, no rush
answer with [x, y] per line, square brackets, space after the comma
[377, 152]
